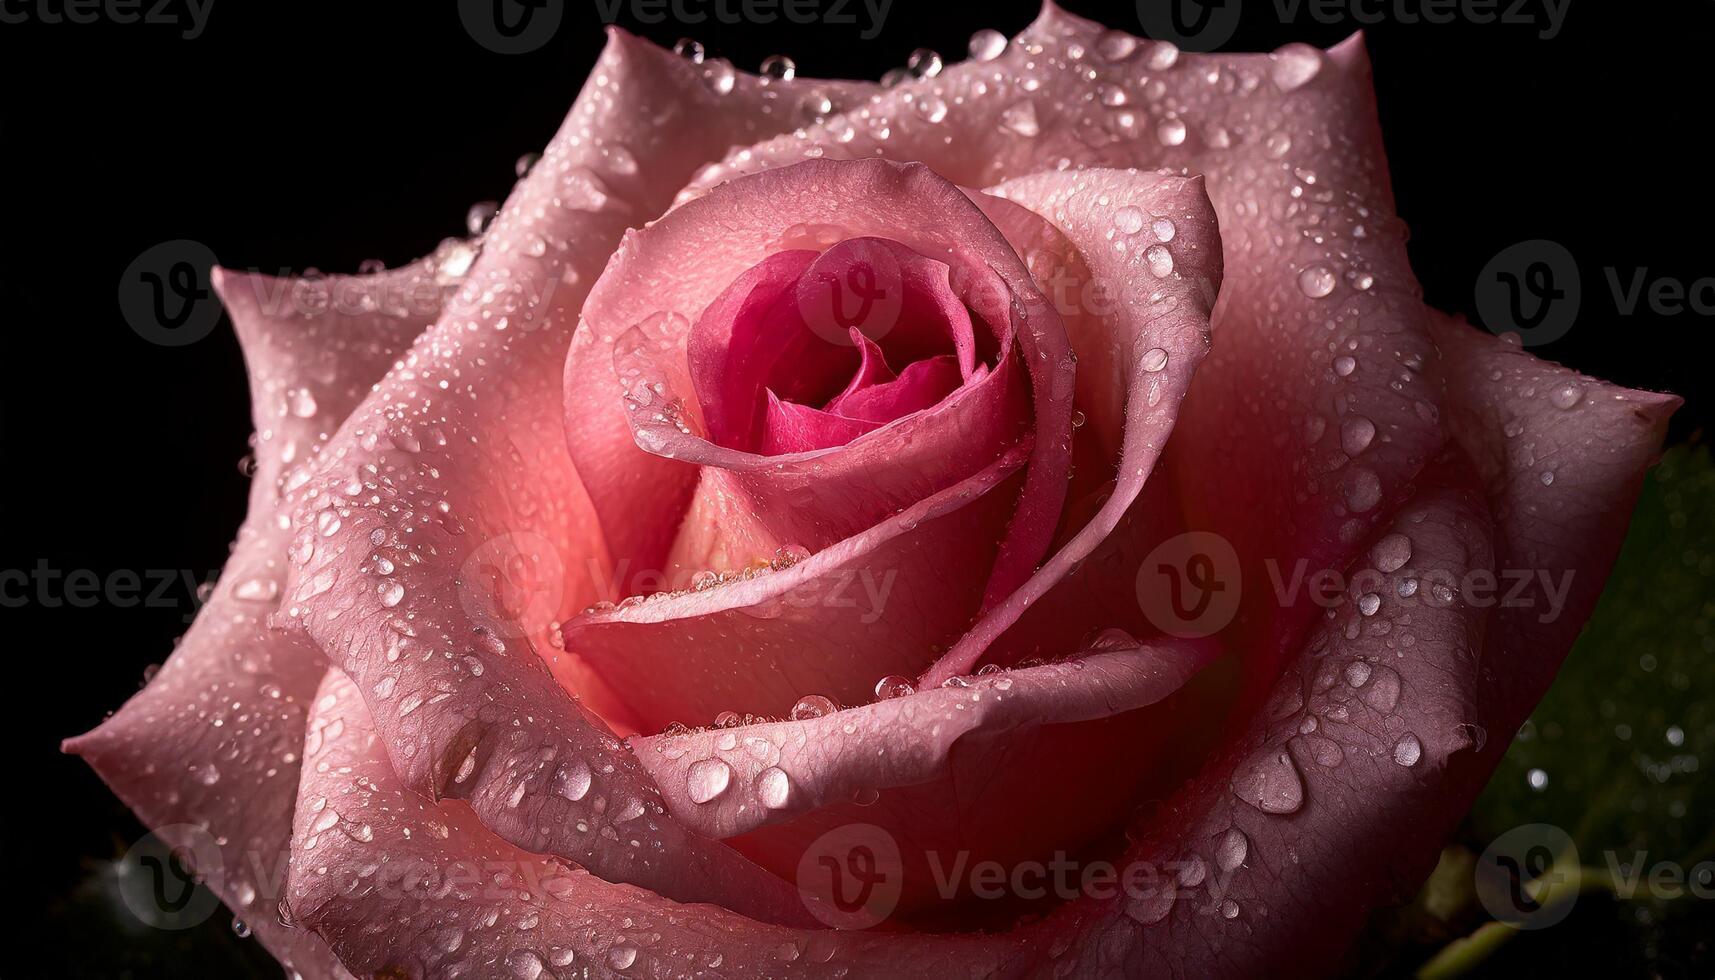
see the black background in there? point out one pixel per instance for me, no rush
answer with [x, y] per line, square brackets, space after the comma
[290, 135]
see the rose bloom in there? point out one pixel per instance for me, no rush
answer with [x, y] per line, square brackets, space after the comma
[827, 529]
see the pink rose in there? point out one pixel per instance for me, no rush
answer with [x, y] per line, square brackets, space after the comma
[774, 561]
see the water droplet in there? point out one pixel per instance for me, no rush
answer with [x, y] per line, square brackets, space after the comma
[477, 219]
[303, 403]
[1154, 359]
[1116, 45]
[719, 76]
[690, 49]
[1362, 489]
[774, 788]
[1358, 673]
[1566, 396]
[572, 779]
[1020, 118]
[1537, 779]
[779, 67]
[932, 108]
[1232, 849]
[240, 928]
[1164, 229]
[1382, 693]
[1356, 432]
[707, 779]
[924, 63]
[1160, 260]
[524, 164]
[1407, 750]
[1391, 553]
[1294, 65]
[1316, 281]
[893, 686]
[1162, 55]
[392, 593]
[1270, 782]
[813, 706]
[987, 45]
[1171, 131]
[1369, 603]
[622, 956]
[1128, 220]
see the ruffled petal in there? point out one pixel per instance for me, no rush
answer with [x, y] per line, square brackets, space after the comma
[208, 752]
[448, 531]
[400, 886]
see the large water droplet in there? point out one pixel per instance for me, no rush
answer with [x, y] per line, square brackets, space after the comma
[1391, 553]
[707, 779]
[1356, 432]
[893, 686]
[1270, 782]
[1316, 281]
[1232, 849]
[774, 788]
[1294, 65]
[813, 706]
[1407, 750]
[1116, 45]
[987, 45]
[924, 63]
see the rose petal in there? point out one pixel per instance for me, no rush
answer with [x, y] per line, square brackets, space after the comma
[401, 886]
[213, 742]
[1156, 335]
[1415, 687]
[431, 569]
[1321, 312]
[831, 624]
[661, 278]
[1562, 457]
[781, 327]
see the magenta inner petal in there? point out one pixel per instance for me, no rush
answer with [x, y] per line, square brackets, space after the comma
[800, 352]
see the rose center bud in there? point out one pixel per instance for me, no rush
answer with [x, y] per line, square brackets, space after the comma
[808, 351]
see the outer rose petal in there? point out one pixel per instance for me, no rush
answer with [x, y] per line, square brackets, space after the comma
[1562, 457]
[214, 739]
[447, 529]
[401, 886]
